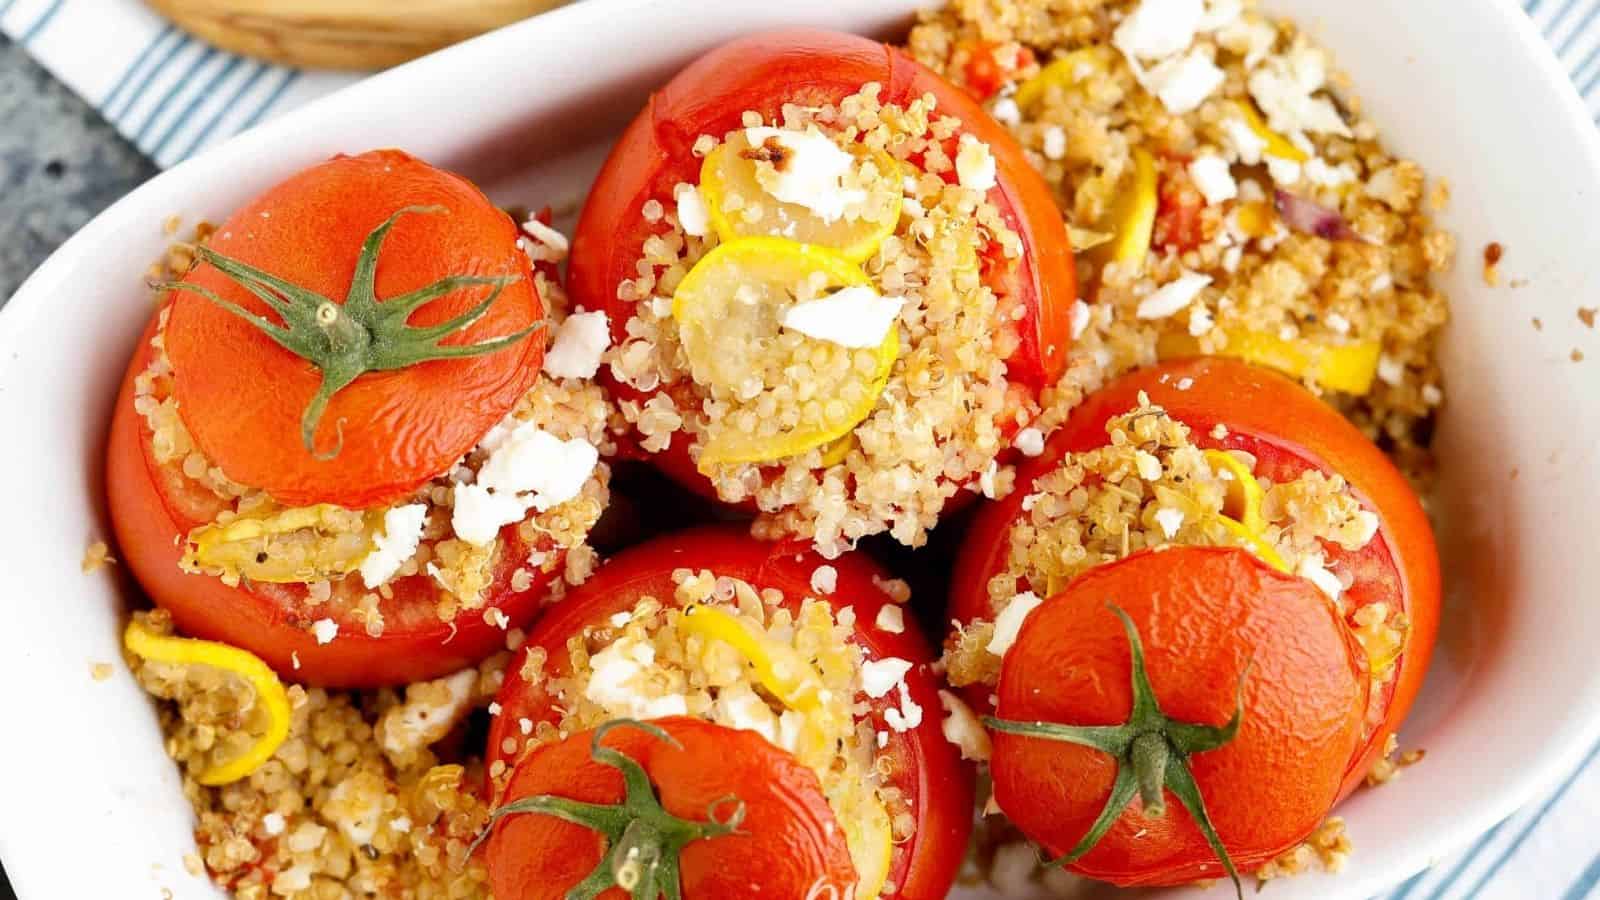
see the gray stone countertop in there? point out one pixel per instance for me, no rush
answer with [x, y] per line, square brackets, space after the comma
[60, 163]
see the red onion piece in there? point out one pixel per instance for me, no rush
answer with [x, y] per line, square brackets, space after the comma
[1310, 217]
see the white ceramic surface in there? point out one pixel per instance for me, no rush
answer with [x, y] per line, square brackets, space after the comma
[89, 805]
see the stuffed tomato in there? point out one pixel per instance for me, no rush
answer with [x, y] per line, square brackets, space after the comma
[760, 690]
[1202, 453]
[836, 289]
[334, 446]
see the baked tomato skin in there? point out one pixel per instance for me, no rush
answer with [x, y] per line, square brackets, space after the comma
[152, 514]
[787, 844]
[925, 767]
[1208, 617]
[807, 66]
[1289, 431]
[241, 395]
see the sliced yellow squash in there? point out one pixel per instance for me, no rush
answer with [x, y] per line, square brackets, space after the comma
[1241, 508]
[307, 543]
[1131, 220]
[730, 172]
[1349, 368]
[1277, 144]
[1065, 72]
[729, 312]
[272, 701]
[781, 670]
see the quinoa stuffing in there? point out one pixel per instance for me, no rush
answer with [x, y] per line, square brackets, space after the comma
[832, 436]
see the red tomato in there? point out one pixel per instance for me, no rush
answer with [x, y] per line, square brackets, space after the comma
[1289, 431]
[241, 395]
[922, 764]
[761, 73]
[153, 509]
[989, 67]
[1206, 617]
[1179, 227]
[787, 844]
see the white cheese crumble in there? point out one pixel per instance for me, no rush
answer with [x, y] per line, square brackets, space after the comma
[962, 728]
[1184, 82]
[324, 630]
[1009, 623]
[1318, 172]
[1337, 323]
[1170, 519]
[1212, 178]
[428, 713]
[907, 716]
[1431, 395]
[1243, 140]
[693, 217]
[551, 245]
[528, 467]
[975, 166]
[1055, 142]
[813, 172]
[272, 824]
[1313, 569]
[1284, 172]
[613, 673]
[1172, 296]
[1006, 112]
[402, 531]
[824, 579]
[1390, 370]
[1283, 88]
[1080, 318]
[891, 619]
[855, 317]
[1148, 465]
[1200, 320]
[1030, 441]
[880, 676]
[579, 343]
[1159, 28]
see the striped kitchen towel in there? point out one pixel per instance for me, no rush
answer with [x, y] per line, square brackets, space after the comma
[172, 95]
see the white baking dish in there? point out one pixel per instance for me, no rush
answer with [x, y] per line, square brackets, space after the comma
[90, 806]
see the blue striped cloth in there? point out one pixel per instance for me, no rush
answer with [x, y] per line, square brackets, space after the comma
[173, 96]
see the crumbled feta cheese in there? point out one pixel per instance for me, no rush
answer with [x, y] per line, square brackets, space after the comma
[579, 343]
[1159, 28]
[1055, 142]
[272, 824]
[479, 514]
[824, 579]
[962, 728]
[1080, 318]
[1369, 526]
[1215, 182]
[431, 709]
[1283, 88]
[1243, 140]
[693, 217]
[402, 531]
[1149, 467]
[1337, 323]
[1185, 383]
[534, 461]
[1172, 296]
[813, 172]
[907, 716]
[1170, 519]
[1284, 172]
[324, 630]
[855, 317]
[613, 673]
[986, 481]
[882, 738]
[1009, 623]
[1431, 395]
[551, 245]
[975, 167]
[1200, 320]
[879, 676]
[355, 805]
[494, 708]
[1251, 38]
[1313, 569]
[1382, 282]
[741, 707]
[1030, 441]
[1184, 82]
[891, 619]
[1318, 172]
[1390, 370]
[1005, 111]
[400, 825]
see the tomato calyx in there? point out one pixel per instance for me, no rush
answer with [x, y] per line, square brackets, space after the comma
[1152, 753]
[362, 335]
[643, 840]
